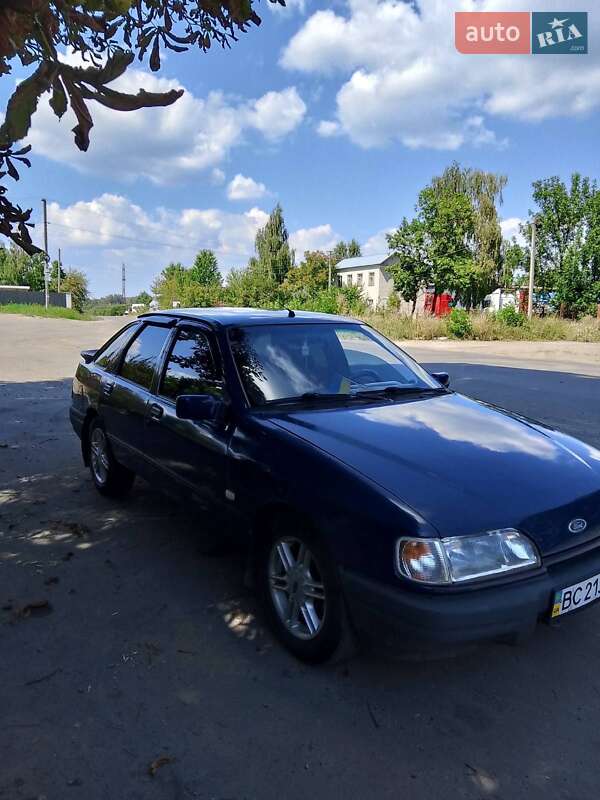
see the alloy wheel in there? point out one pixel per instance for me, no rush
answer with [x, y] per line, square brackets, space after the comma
[99, 456]
[297, 587]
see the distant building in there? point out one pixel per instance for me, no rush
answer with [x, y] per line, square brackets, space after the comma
[369, 274]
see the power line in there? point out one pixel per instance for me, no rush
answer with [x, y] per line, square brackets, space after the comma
[140, 241]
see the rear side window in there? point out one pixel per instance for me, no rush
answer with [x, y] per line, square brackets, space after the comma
[111, 353]
[190, 367]
[142, 355]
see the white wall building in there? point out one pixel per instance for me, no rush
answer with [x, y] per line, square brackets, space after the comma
[369, 274]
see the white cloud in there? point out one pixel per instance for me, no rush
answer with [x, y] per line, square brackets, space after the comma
[163, 144]
[377, 244]
[321, 237]
[243, 188]
[511, 227]
[217, 176]
[402, 78]
[276, 114]
[328, 128]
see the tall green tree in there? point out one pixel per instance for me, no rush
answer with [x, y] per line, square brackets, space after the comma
[343, 250]
[564, 214]
[205, 269]
[484, 191]
[274, 256]
[412, 269]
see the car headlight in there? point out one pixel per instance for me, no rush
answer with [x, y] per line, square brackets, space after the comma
[465, 558]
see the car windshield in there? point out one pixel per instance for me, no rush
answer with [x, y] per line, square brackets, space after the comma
[307, 361]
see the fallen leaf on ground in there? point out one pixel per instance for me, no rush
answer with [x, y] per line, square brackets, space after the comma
[159, 762]
[34, 608]
[75, 528]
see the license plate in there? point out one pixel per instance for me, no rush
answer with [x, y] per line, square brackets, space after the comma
[576, 596]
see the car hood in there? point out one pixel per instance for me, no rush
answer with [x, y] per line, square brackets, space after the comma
[465, 466]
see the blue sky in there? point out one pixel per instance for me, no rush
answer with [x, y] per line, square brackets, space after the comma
[341, 111]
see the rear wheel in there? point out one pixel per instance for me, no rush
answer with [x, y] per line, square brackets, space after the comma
[110, 477]
[299, 586]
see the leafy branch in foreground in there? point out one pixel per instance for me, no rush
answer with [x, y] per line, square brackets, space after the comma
[107, 35]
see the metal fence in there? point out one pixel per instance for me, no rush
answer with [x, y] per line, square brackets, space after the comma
[60, 299]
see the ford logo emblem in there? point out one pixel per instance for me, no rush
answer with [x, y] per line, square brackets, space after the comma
[577, 525]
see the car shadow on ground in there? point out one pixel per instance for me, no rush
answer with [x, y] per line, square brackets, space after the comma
[122, 644]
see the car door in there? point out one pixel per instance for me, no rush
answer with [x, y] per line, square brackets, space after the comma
[124, 395]
[190, 454]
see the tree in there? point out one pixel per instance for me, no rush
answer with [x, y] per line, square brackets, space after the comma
[448, 220]
[144, 298]
[343, 250]
[76, 282]
[563, 222]
[576, 290]
[19, 269]
[412, 270]
[205, 270]
[484, 191]
[514, 258]
[275, 258]
[108, 35]
[310, 276]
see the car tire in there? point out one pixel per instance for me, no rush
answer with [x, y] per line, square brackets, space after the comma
[110, 478]
[303, 603]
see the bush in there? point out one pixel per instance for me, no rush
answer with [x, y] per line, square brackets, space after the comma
[459, 324]
[510, 317]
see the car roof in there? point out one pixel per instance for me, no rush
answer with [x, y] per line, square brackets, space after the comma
[221, 316]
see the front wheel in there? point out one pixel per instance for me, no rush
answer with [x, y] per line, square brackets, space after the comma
[300, 590]
[110, 477]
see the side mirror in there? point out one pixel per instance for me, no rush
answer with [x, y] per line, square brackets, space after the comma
[201, 408]
[441, 377]
[88, 355]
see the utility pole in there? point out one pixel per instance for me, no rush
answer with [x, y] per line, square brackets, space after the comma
[329, 281]
[46, 265]
[59, 269]
[531, 269]
[123, 283]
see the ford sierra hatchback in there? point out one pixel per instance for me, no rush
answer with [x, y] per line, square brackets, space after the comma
[373, 498]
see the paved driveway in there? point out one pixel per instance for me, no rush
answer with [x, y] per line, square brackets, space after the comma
[147, 650]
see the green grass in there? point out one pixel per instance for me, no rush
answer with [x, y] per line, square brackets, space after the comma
[53, 312]
[487, 328]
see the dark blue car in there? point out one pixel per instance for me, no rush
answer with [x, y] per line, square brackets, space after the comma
[373, 498]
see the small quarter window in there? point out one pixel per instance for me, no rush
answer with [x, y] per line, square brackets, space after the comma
[111, 353]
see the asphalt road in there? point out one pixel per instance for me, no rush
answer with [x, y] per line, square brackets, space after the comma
[148, 650]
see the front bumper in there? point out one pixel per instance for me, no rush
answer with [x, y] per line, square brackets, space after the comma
[406, 616]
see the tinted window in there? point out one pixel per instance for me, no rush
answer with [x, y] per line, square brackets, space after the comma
[111, 353]
[142, 356]
[190, 368]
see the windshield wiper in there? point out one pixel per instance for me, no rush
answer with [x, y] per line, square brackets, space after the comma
[315, 397]
[396, 391]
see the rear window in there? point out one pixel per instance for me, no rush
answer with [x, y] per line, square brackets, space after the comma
[111, 352]
[142, 355]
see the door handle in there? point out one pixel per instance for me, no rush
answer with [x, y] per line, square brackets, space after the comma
[107, 386]
[156, 411]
